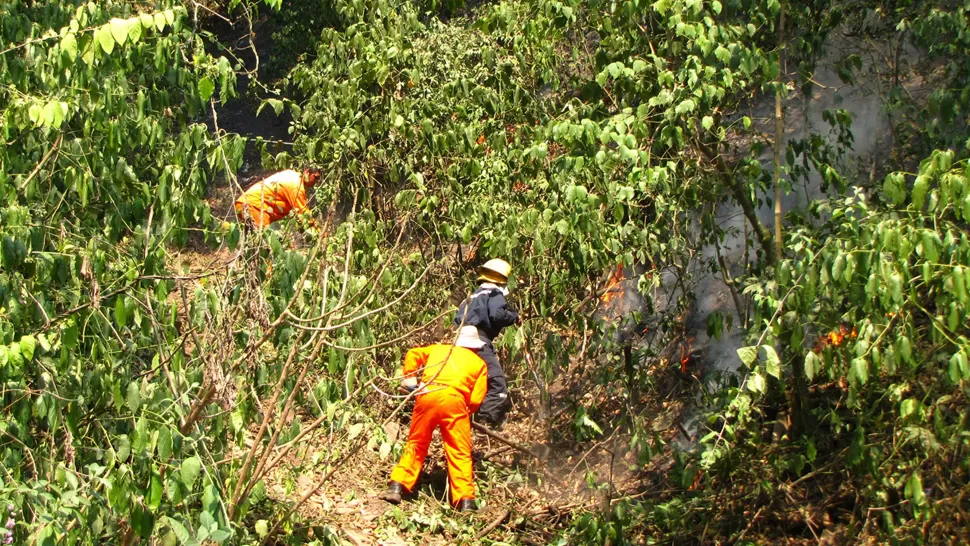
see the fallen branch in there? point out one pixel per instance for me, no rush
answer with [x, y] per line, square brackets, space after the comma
[491, 526]
[511, 443]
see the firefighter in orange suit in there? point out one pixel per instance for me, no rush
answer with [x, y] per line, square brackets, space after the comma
[274, 197]
[453, 383]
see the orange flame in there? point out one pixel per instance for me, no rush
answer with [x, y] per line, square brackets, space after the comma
[836, 338]
[685, 350]
[613, 288]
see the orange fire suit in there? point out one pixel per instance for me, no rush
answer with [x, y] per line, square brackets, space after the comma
[454, 383]
[273, 198]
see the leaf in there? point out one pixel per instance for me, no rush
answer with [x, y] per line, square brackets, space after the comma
[859, 371]
[206, 88]
[811, 365]
[164, 445]
[121, 311]
[36, 114]
[914, 489]
[190, 470]
[707, 122]
[180, 531]
[908, 407]
[894, 185]
[159, 21]
[748, 355]
[27, 346]
[53, 114]
[146, 20]
[685, 107]
[920, 187]
[119, 30]
[220, 535]
[262, 528]
[69, 45]
[134, 30]
[591, 424]
[104, 39]
[384, 451]
[772, 362]
[757, 383]
[206, 520]
[716, 7]
[154, 497]
[133, 399]
[355, 430]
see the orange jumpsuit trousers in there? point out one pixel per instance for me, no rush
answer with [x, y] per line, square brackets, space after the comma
[444, 407]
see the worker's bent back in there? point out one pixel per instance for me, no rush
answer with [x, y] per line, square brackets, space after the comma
[450, 366]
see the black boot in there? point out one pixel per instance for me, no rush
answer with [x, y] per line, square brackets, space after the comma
[467, 505]
[393, 493]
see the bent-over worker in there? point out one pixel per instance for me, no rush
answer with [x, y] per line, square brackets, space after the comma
[272, 198]
[489, 312]
[453, 384]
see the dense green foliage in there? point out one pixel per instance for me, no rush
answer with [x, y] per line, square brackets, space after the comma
[145, 403]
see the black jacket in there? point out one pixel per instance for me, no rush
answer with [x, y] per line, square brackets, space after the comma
[489, 311]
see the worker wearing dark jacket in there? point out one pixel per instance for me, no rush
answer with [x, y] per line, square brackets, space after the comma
[488, 311]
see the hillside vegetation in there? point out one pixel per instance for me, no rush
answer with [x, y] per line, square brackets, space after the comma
[168, 378]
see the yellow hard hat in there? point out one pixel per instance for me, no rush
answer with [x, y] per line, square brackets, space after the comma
[495, 271]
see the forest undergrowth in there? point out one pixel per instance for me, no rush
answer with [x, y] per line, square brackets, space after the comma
[167, 377]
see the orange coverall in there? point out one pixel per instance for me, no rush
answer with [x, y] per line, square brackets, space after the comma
[454, 388]
[273, 198]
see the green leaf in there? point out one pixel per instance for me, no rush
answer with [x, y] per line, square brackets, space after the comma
[206, 88]
[914, 489]
[53, 114]
[812, 365]
[908, 407]
[355, 430]
[772, 362]
[119, 30]
[716, 7]
[894, 185]
[859, 371]
[757, 383]
[146, 20]
[154, 497]
[159, 21]
[104, 39]
[591, 424]
[190, 470]
[685, 107]
[262, 528]
[748, 355]
[164, 443]
[180, 531]
[134, 396]
[746, 121]
[121, 311]
[707, 122]
[69, 45]
[920, 187]
[134, 30]
[27, 346]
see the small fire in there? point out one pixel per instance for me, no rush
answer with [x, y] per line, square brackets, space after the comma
[836, 338]
[685, 351]
[613, 288]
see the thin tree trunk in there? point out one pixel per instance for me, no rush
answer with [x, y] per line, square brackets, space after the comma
[779, 128]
